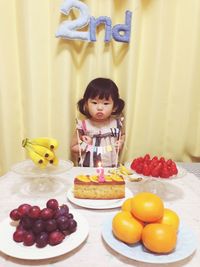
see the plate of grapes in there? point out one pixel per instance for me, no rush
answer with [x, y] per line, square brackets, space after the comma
[32, 232]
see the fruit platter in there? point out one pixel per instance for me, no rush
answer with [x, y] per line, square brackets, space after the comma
[28, 169]
[33, 232]
[39, 172]
[42, 161]
[146, 230]
[155, 167]
[40, 182]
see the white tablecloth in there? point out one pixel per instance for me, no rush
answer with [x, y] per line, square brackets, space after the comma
[181, 194]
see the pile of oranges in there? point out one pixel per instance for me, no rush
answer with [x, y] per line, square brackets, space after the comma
[143, 218]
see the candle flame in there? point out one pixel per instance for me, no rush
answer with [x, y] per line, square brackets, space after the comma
[99, 164]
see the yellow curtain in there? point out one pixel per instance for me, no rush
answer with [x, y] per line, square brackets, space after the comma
[42, 77]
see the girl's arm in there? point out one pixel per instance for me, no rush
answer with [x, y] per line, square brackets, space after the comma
[74, 144]
[121, 140]
[85, 140]
[120, 143]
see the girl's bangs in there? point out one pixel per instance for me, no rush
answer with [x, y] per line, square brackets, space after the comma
[101, 94]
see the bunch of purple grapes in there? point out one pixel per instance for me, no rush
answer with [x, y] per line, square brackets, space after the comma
[44, 226]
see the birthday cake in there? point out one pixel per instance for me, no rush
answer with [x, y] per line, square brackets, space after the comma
[89, 187]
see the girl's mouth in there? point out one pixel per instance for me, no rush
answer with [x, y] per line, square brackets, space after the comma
[99, 114]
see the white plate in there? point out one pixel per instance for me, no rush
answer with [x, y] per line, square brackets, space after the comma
[29, 169]
[181, 172]
[18, 250]
[186, 245]
[98, 203]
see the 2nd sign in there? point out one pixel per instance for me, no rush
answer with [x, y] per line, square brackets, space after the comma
[68, 28]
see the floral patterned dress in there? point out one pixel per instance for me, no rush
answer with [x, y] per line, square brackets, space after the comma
[104, 137]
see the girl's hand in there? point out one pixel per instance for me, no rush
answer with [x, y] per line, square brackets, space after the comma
[119, 144]
[87, 139]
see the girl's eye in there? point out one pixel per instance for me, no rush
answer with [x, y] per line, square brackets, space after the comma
[94, 102]
[106, 103]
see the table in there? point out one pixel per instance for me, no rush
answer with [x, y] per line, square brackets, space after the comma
[192, 167]
[183, 196]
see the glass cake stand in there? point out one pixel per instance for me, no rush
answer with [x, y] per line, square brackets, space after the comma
[155, 185]
[41, 182]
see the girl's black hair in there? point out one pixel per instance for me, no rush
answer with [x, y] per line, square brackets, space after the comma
[102, 88]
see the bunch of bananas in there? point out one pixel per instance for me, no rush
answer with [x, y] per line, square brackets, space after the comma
[124, 170]
[121, 170]
[41, 150]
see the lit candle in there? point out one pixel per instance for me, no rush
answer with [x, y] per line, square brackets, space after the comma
[100, 171]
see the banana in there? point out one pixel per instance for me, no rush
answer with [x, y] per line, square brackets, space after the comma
[50, 143]
[54, 161]
[24, 142]
[42, 151]
[37, 159]
[124, 170]
[114, 171]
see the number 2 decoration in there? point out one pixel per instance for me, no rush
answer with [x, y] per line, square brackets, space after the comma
[68, 28]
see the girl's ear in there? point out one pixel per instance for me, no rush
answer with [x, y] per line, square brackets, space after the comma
[85, 108]
[114, 109]
[113, 112]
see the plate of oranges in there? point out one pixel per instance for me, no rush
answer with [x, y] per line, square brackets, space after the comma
[145, 230]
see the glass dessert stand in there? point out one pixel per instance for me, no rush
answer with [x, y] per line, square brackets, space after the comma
[41, 182]
[156, 185]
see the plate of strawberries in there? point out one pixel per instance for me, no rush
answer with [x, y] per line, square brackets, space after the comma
[158, 167]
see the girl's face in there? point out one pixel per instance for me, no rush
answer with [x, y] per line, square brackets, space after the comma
[100, 109]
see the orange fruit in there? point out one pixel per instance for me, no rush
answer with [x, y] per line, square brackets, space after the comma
[127, 204]
[170, 217]
[94, 178]
[117, 178]
[126, 228]
[83, 178]
[108, 178]
[147, 207]
[159, 238]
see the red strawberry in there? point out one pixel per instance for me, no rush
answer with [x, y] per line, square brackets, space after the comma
[151, 165]
[134, 164]
[155, 158]
[146, 170]
[155, 172]
[147, 157]
[174, 170]
[140, 159]
[139, 168]
[164, 173]
[169, 162]
[162, 159]
[170, 170]
[164, 165]
[173, 164]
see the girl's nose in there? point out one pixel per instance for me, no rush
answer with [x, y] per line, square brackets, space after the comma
[100, 106]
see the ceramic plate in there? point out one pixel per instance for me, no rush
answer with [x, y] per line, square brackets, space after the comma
[18, 250]
[28, 168]
[98, 204]
[181, 172]
[186, 245]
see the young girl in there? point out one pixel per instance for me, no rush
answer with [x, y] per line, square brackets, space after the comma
[100, 137]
